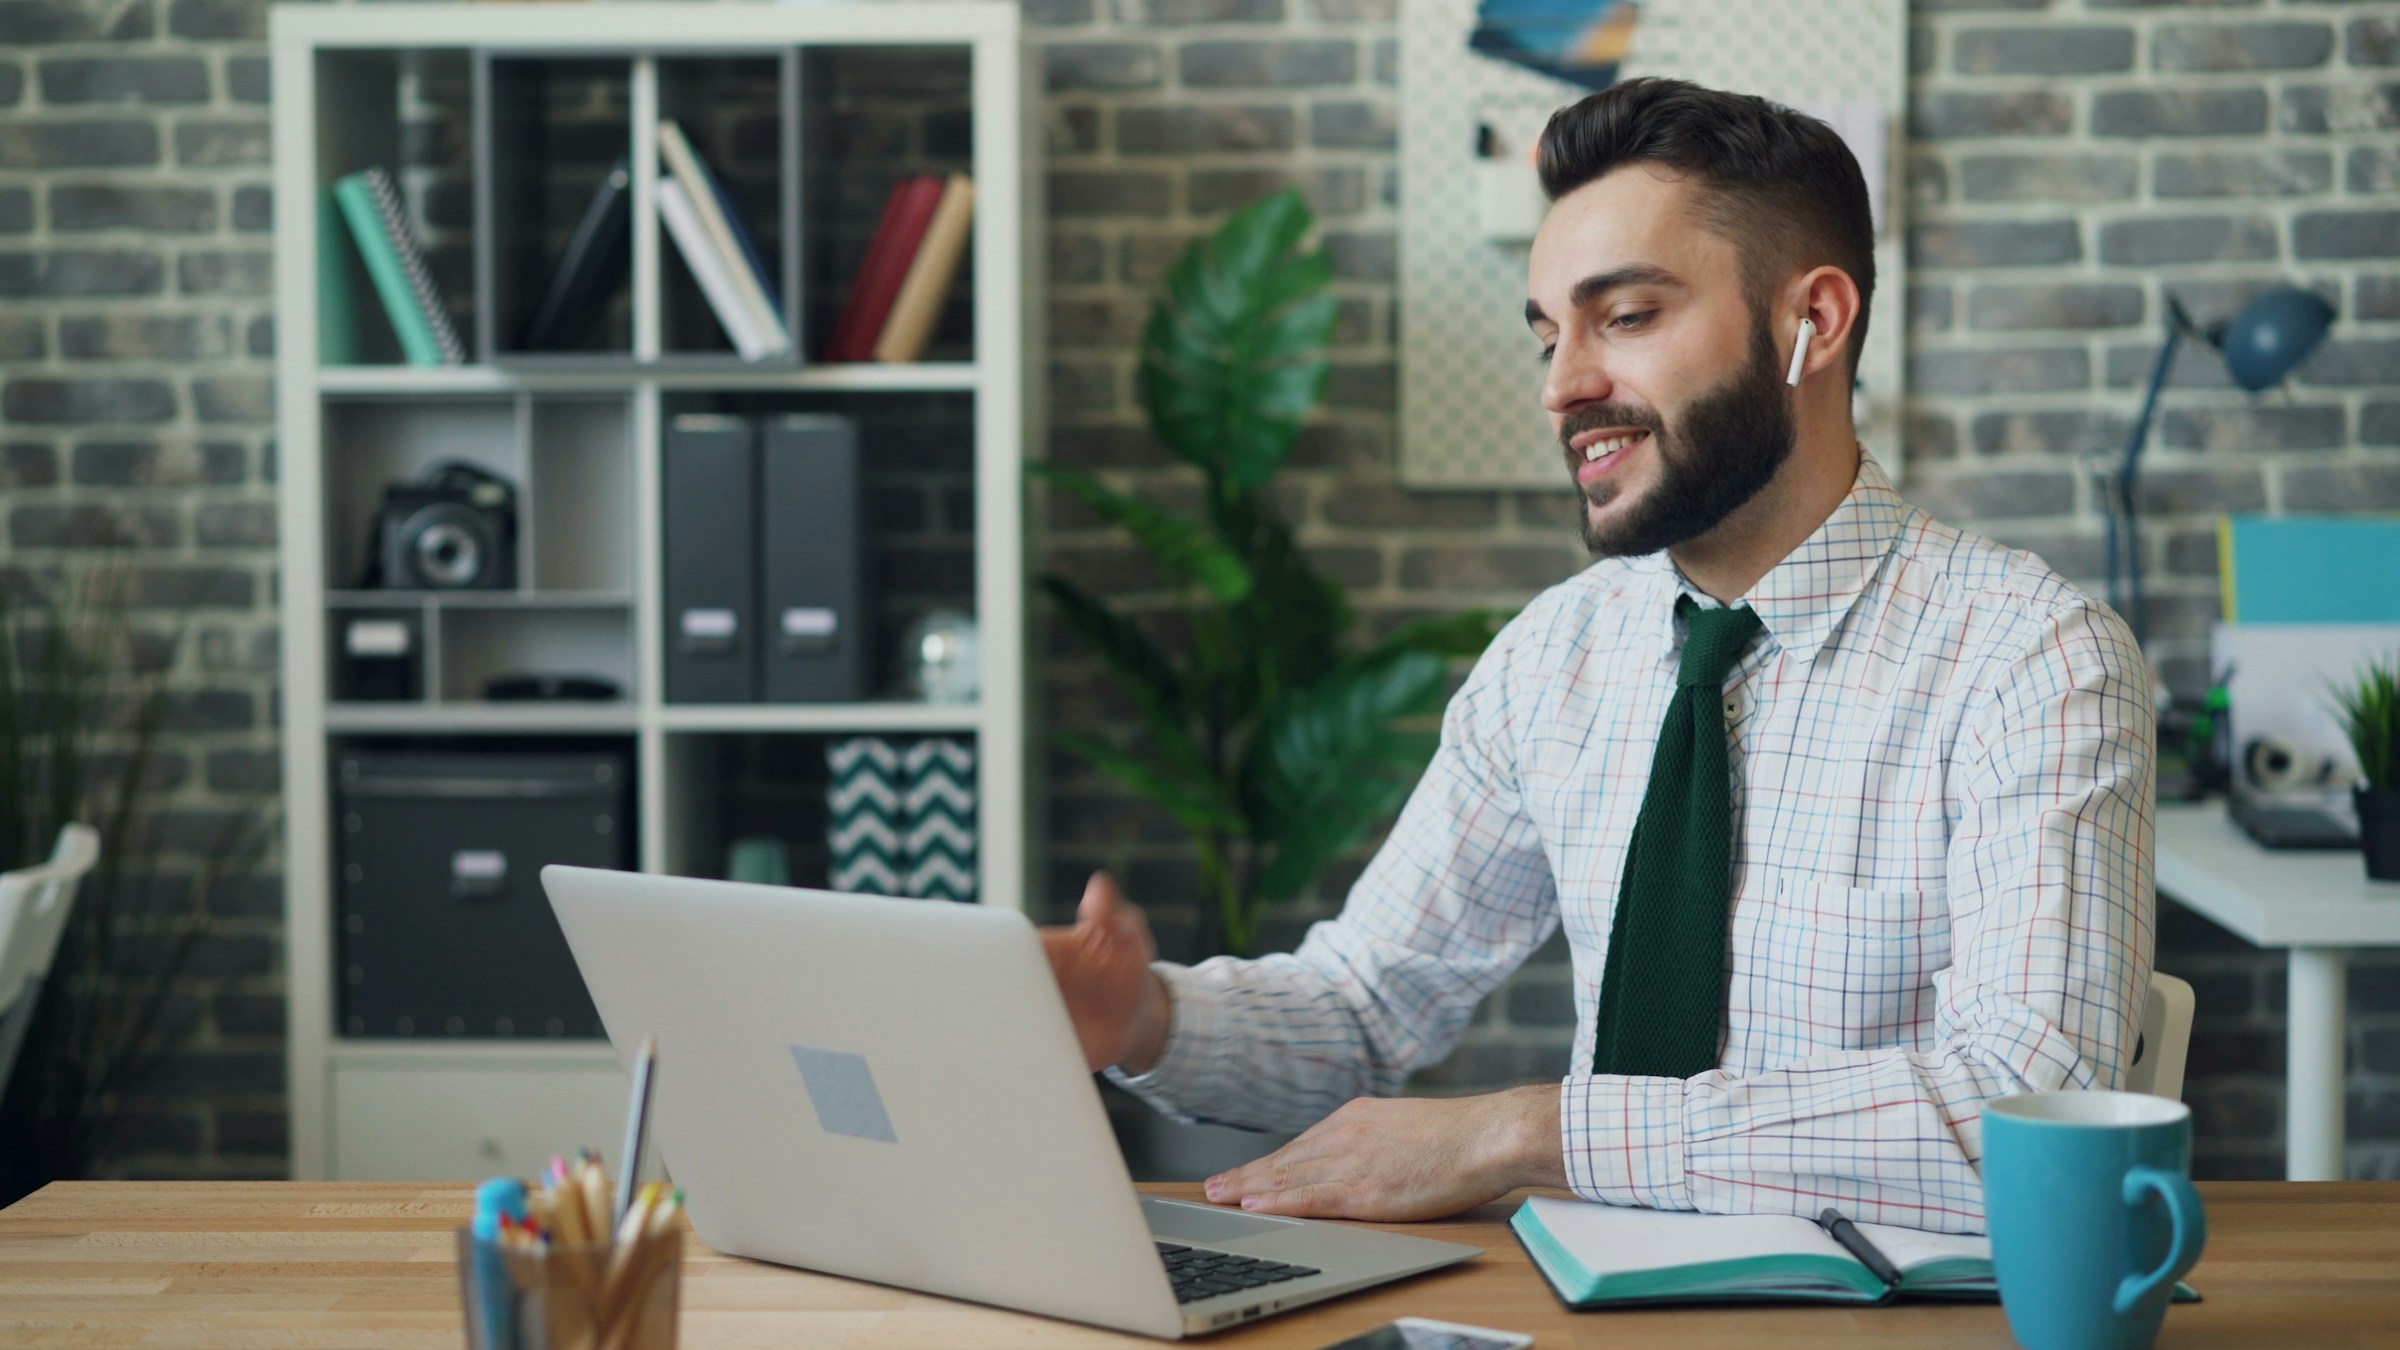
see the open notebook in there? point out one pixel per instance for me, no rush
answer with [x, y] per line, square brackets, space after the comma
[1600, 1255]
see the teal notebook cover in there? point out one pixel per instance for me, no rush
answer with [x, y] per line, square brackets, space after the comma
[337, 306]
[2310, 569]
[1603, 1256]
[385, 268]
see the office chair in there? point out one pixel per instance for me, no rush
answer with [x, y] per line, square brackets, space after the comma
[34, 902]
[2158, 1057]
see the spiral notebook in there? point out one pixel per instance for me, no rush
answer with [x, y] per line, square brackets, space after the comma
[370, 206]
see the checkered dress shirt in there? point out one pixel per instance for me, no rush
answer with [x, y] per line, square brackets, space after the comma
[1942, 763]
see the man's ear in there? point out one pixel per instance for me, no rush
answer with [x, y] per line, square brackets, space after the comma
[1828, 298]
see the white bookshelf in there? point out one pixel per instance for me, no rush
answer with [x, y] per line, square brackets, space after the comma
[462, 1108]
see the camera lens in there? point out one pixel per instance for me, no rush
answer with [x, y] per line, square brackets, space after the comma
[449, 547]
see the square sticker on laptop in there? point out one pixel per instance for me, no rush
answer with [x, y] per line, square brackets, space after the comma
[843, 1092]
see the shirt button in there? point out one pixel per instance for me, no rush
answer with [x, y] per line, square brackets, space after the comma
[1733, 707]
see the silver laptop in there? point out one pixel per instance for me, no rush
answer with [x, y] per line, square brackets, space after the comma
[890, 1090]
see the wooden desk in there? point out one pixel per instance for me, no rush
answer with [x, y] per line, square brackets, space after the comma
[310, 1264]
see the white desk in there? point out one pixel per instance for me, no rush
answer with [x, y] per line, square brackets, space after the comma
[2319, 905]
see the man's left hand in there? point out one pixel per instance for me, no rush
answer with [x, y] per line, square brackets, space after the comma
[1394, 1160]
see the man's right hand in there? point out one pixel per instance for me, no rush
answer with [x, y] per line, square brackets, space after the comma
[1102, 961]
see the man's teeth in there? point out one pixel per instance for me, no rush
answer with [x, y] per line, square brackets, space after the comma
[1602, 449]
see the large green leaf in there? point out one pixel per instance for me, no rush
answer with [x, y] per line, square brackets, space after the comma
[1328, 765]
[1160, 693]
[1182, 547]
[1347, 798]
[1312, 736]
[1232, 358]
[1195, 804]
[1326, 833]
[1128, 653]
[1296, 617]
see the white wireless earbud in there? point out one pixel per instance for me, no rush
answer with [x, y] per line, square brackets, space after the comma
[1808, 330]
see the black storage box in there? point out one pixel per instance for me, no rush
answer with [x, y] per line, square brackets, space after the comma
[444, 928]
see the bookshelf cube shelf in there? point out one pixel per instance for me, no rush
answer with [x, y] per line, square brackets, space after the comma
[498, 124]
[547, 131]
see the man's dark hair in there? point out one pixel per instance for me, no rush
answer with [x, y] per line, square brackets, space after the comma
[1778, 185]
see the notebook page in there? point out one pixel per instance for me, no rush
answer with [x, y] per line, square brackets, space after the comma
[1910, 1248]
[1614, 1239]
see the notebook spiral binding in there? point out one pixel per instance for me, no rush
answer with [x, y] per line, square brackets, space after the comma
[412, 260]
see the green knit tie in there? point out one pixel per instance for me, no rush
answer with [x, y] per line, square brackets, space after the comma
[1662, 992]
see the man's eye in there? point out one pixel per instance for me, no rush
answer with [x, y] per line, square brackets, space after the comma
[1634, 320]
[1545, 354]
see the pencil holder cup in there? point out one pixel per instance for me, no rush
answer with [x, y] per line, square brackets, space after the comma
[570, 1298]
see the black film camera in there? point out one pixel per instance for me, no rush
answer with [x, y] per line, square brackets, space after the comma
[453, 530]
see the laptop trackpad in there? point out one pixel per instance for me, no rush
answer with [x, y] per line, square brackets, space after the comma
[1178, 1221]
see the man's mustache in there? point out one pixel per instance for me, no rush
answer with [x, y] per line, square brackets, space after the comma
[1594, 419]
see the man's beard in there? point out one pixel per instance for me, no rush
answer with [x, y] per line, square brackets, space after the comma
[1727, 447]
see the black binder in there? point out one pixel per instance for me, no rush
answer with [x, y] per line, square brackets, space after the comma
[710, 486]
[813, 630]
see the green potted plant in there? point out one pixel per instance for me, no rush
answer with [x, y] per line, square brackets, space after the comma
[80, 729]
[2370, 712]
[1274, 735]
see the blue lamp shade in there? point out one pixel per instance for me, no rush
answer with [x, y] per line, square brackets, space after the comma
[2273, 335]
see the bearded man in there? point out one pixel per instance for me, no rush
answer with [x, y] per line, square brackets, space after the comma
[1846, 814]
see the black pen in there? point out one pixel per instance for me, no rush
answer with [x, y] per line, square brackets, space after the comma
[1855, 1242]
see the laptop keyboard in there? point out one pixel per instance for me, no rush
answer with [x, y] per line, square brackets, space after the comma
[1199, 1273]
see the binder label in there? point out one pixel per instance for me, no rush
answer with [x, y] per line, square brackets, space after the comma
[810, 622]
[710, 623]
[377, 637]
[479, 864]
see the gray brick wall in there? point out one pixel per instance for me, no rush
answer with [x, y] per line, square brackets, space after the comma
[2070, 164]
[136, 344]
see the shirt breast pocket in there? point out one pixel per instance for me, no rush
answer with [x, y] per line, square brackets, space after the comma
[1824, 966]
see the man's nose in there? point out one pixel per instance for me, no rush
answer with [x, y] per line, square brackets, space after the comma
[1577, 375]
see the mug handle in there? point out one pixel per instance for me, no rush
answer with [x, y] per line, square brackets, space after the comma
[2190, 1231]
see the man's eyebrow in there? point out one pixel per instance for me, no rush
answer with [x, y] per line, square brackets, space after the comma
[1598, 284]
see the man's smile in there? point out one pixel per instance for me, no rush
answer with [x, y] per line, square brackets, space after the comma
[1592, 455]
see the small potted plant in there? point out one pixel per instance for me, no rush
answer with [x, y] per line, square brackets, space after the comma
[2370, 710]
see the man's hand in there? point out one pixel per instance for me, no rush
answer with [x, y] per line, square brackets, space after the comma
[1394, 1160]
[1102, 962]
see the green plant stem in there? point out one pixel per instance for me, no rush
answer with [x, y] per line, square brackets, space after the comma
[1222, 887]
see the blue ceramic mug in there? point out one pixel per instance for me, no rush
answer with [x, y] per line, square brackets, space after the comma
[2092, 1212]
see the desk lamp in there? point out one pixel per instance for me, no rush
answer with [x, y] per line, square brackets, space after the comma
[2264, 343]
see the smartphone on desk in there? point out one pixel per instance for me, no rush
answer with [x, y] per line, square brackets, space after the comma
[1423, 1333]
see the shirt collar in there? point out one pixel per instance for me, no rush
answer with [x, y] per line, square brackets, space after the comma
[1802, 599]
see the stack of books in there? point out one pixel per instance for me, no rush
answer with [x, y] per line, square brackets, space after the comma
[897, 296]
[724, 259]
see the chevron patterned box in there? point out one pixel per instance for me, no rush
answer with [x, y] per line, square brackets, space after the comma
[903, 816]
